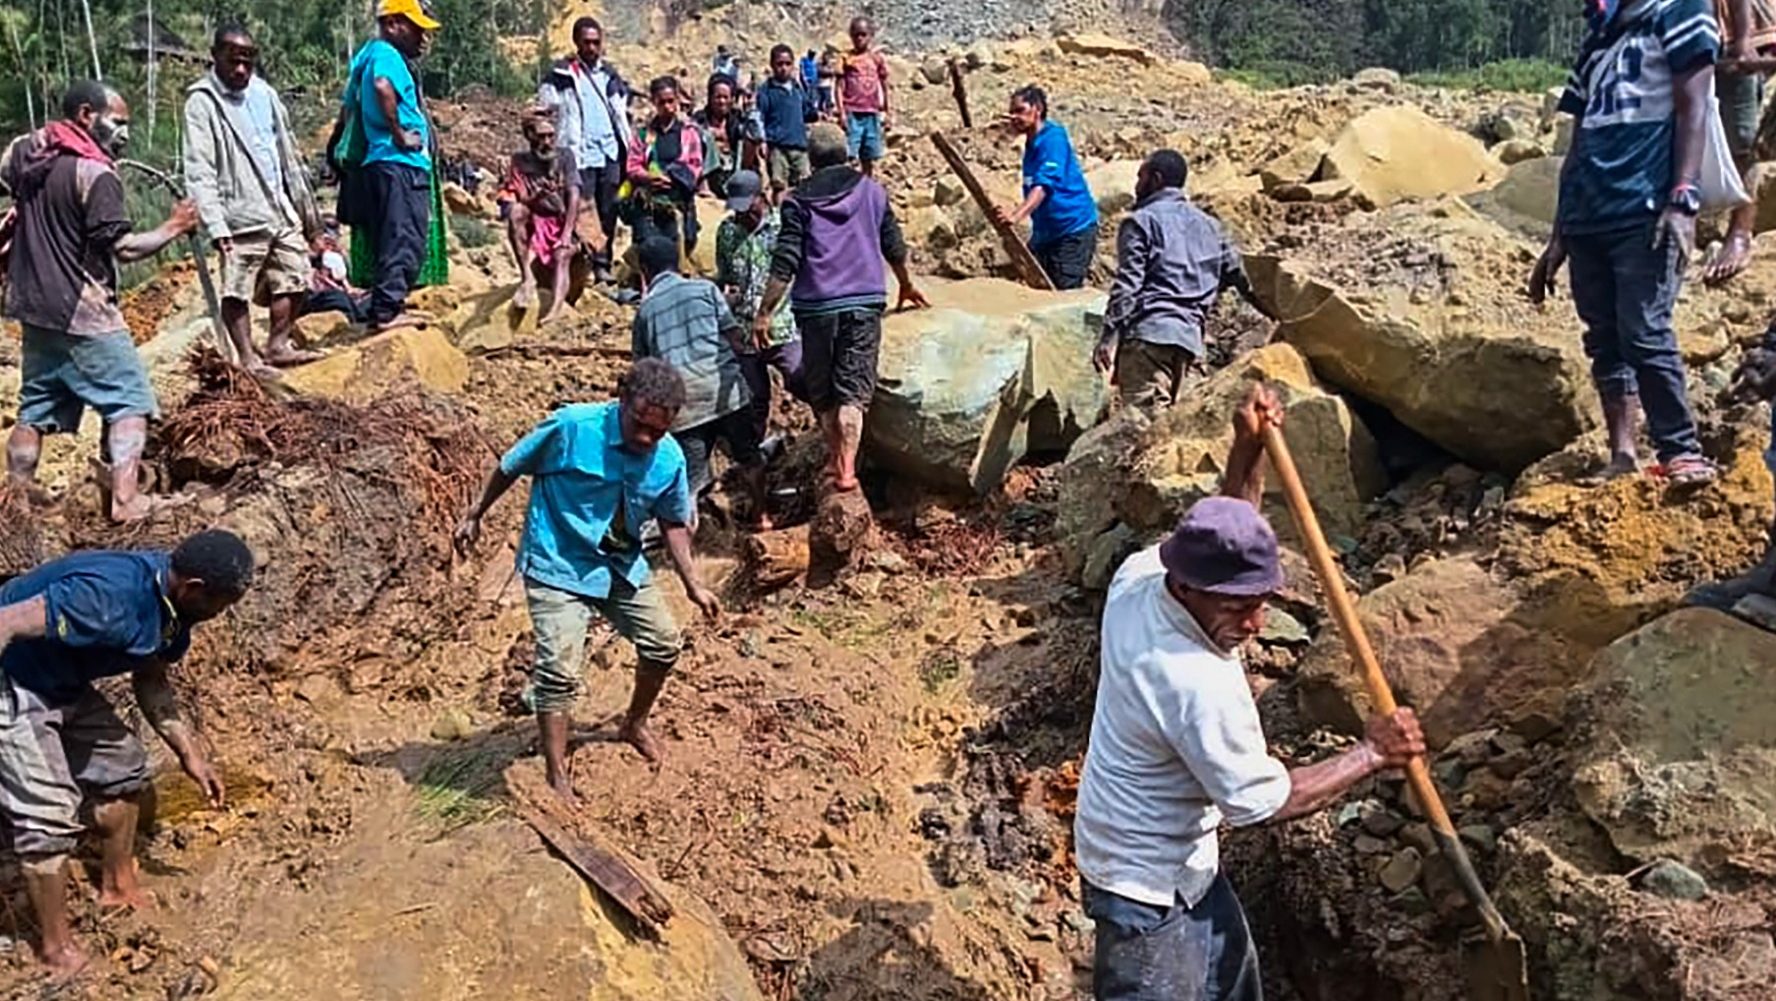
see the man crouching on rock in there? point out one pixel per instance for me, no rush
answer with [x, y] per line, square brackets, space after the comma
[1176, 748]
[63, 626]
[599, 472]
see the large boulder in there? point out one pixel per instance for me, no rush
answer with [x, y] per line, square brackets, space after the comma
[1459, 645]
[1130, 479]
[1526, 199]
[959, 383]
[1102, 46]
[1678, 756]
[1421, 312]
[371, 367]
[1113, 185]
[1398, 152]
[1297, 166]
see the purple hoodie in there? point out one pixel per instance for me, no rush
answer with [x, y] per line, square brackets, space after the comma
[837, 231]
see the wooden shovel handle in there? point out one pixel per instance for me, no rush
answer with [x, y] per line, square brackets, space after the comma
[1344, 610]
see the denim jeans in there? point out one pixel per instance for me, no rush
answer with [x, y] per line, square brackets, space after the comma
[403, 196]
[1067, 260]
[1177, 953]
[756, 368]
[1624, 290]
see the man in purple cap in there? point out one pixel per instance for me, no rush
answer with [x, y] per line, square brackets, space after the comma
[1176, 748]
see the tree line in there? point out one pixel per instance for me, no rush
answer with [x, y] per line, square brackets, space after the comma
[151, 49]
[1299, 41]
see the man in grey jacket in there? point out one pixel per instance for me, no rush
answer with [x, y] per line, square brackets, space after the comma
[242, 169]
[591, 106]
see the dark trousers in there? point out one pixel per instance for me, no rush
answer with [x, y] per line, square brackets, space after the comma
[1625, 290]
[334, 300]
[670, 223]
[1177, 953]
[1067, 261]
[599, 185]
[755, 368]
[398, 226]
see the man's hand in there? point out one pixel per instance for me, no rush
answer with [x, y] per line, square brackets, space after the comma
[209, 781]
[1547, 268]
[1104, 355]
[468, 532]
[183, 218]
[761, 329]
[409, 140]
[225, 245]
[1679, 227]
[1261, 409]
[659, 182]
[706, 601]
[1002, 215]
[1394, 739]
[1754, 379]
[912, 298]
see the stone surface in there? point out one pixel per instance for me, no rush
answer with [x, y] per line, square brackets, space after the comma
[1103, 46]
[1526, 199]
[1677, 755]
[961, 383]
[1458, 646]
[1513, 151]
[1144, 474]
[1674, 881]
[1433, 328]
[1298, 166]
[1396, 153]
[1378, 78]
[1402, 870]
[1113, 185]
[372, 367]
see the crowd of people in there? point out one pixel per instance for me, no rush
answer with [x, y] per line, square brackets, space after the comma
[800, 289]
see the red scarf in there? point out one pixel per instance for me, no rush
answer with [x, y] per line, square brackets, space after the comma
[65, 138]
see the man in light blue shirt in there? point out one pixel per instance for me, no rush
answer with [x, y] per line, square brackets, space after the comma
[397, 154]
[599, 471]
[591, 105]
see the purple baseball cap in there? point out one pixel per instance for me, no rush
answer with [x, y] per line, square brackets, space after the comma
[1224, 546]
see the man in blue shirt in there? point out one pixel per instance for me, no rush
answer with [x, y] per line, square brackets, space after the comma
[1062, 212]
[1629, 197]
[63, 626]
[398, 155]
[599, 472]
[785, 108]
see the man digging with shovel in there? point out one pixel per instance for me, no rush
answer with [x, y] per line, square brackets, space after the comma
[1176, 747]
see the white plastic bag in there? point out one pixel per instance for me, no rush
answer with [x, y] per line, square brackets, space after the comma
[1722, 188]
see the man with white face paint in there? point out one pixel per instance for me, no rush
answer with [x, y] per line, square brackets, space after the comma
[72, 230]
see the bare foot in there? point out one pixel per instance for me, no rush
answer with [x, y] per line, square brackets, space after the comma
[64, 963]
[144, 507]
[1734, 256]
[554, 315]
[641, 737]
[126, 894]
[291, 357]
[525, 297]
[1621, 465]
[845, 486]
[400, 322]
[563, 786]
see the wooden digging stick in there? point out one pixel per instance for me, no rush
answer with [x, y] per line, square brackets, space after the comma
[1025, 263]
[959, 91]
[1496, 972]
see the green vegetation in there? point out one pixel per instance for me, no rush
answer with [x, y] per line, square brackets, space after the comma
[1501, 44]
[306, 48]
[472, 232]
[459, 788]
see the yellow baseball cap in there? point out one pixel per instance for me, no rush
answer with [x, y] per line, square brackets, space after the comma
[413, 10]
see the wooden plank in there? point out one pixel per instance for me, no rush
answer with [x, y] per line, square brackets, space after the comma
[960, 92]
[1024, 262]
[616, 878]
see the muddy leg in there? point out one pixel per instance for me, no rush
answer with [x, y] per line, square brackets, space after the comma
[119, 883]
[518, 235]
[278, 347]
[552, 730]
[47, 886]
[124, 440]
[237, 319]
[649, 679]
[562, 284]
[849, 424]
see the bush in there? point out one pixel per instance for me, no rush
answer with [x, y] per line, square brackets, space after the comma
[1528, 75]
[473, 233]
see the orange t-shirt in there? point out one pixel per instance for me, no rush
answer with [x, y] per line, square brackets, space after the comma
[861, 81]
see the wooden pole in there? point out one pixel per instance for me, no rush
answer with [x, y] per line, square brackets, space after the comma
[959, 91]
[1029, 270]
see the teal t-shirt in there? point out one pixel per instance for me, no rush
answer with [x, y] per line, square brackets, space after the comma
[589, 496]
[380, 60]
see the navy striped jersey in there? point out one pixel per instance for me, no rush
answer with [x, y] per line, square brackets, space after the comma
[1619, 171]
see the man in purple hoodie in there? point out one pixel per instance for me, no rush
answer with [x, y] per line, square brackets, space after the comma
[837, 229]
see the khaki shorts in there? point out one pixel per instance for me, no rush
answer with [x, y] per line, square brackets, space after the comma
[53, 756]
[1151, 376]
[561, 620]
[265, 265]
[788, 167]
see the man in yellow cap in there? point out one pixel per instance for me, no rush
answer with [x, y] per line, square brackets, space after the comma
[390, 141]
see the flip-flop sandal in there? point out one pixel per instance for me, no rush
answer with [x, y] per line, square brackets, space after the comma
[1690, 472]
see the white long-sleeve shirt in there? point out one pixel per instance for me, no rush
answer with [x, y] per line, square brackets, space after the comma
[1176, 748]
